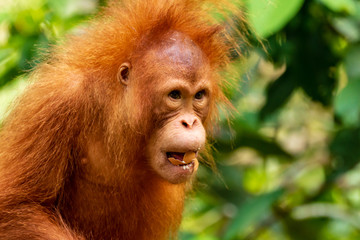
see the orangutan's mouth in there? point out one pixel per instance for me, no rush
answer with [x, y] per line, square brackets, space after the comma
[181, 158]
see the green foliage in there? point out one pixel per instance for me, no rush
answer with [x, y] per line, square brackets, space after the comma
[268, 17]
[27, 29]
[288, 160]
[251, 212]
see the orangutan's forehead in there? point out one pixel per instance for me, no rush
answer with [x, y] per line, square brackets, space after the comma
[178, 55]
[179, 49]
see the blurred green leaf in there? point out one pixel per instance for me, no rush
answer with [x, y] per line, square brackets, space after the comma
[340, 5]
[347, 103]
[348, 27]
[317, 210]
[269, 16]
[345, 147]
[310, 229]
[251, 212]
[241, 134]
[277, 94]
[352, 62]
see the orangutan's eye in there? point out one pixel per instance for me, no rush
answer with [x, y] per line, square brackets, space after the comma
[175, 94]
[199, 95]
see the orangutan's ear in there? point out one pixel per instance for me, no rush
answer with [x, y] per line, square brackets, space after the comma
[123, 73]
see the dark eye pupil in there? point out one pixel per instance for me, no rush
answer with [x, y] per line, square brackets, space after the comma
[175, 94]
[199, 95]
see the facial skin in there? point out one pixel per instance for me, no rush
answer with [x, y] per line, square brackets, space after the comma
[181, 106]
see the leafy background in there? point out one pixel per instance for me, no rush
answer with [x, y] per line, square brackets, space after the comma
[288, 160]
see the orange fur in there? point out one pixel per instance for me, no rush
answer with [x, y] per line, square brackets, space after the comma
[75, 102]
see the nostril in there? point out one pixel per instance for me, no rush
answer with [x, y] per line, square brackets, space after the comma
[185, 124]
[188, 124]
